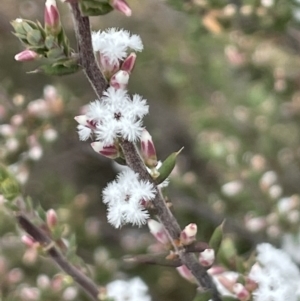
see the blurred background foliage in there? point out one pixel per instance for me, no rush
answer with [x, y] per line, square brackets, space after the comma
[222, 79]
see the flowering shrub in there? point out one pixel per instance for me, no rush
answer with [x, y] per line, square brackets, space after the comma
[114, 124]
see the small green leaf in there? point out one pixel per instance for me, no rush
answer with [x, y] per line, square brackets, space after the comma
[167, 167]
[95, 8]
[49, 42]
[34, 37]
[41, 213]
[9, 187]
[58, 69]
[216, 238]
[55, 53]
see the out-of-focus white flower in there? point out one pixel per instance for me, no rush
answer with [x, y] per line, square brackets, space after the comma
[70, 293]
[232, 188]
[50, 135]
[126, 197]
[132, 290]
[277, 276]
[291, 245]
[268, 179]
[267, 3]
[43, 281]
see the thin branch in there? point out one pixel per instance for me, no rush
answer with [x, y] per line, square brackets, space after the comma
[134, 161]
[155, 259]
[170, 223]
[85, 49]
[37, 234]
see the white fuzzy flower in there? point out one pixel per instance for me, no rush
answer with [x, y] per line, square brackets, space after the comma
[116, 115]
[132, 290]
[114, 44]
[84, 132]
[125, 198]
[277, 276]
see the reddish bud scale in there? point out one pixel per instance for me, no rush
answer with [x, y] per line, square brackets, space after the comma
[110, 151]
[148, 150]
[158, 231]
[185, 273]
[129, 63]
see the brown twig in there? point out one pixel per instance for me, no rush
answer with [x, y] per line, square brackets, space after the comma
[165, 216]
[132, 157]
[155, 259]
[85, 49]
[49, 246]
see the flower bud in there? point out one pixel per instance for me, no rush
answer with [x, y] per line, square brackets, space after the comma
[158, 231]
[107, 67]
[185, 273]
[51, 218]
[110, 151]
[240, 291]
[28, 241]
[26, 55]
[120, 80]
[129, 62]
[121, 6]
[148, 149]
[207, 257]
[188, 235]
[83, 120]
[52, 19]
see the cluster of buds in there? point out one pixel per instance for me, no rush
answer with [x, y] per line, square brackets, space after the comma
[284, 214]
[48, 41]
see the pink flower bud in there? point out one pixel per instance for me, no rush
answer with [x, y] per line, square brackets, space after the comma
[129, 62]
[240, 291]
[28, 241]
[148, 149]
[227, 282]
[107, 67]
[121, 6]
[188, 235]
[158, 231]
[250, 285]
[110, 151]
[51, 218]
[83, 120]
[185, 273]
[26, 55]
[216, 270]
[120, 80]
[207, 257]
[52, 19]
